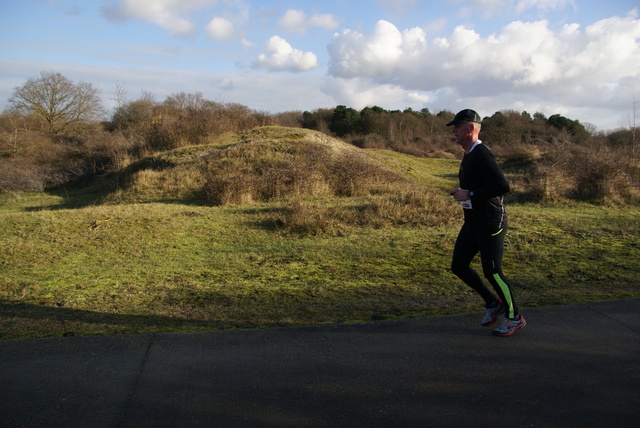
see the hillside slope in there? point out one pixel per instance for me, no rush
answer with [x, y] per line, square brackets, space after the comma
[319, 180]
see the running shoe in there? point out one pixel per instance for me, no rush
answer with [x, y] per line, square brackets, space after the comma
[508, 327]
[492, 313]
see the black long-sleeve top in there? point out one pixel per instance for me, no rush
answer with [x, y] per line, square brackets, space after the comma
[480, 174]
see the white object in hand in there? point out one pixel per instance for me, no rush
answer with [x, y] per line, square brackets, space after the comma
[466, 204]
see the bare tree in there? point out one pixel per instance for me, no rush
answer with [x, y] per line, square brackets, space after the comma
[63, 105]
[121, 94]
[186, 101]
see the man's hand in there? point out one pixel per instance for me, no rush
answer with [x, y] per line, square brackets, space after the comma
[460, 194]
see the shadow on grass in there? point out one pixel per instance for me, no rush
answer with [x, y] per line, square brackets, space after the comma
[128, 323]
[94, 189]
[79, 196]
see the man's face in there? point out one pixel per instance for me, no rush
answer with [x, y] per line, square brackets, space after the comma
[462, 131]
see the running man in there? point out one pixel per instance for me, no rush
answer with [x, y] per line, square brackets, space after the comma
[482, 186]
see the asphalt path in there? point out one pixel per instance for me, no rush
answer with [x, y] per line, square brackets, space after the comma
[571, 366]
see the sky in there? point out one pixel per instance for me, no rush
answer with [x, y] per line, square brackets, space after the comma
[577, 58]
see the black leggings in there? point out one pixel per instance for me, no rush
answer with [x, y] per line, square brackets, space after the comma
[474, 238]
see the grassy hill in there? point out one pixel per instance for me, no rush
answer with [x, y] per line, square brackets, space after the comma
[276, 227]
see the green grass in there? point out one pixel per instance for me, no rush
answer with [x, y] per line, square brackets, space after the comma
[71, 266]
[439, 173]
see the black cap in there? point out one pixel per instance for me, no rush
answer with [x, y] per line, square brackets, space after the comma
[466, 115]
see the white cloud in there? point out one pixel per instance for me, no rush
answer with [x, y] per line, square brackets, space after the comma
[281, 56]
[297, 21]
[247, 44]
[597, 65]
[360, 93]
[168, 14]
[354, 54]
[414, 98]
[220, 29]
[293, 20]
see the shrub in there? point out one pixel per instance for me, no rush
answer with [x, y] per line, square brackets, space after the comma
[20, 174]
[604, 175]
[546, 181]
[595, 173]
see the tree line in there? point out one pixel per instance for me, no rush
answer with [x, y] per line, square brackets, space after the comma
[422, 133]
[56, 131]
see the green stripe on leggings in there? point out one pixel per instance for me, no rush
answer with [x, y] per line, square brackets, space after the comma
[497, 233]
[507, 294]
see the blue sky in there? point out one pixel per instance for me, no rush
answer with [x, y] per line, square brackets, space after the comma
[578, 58]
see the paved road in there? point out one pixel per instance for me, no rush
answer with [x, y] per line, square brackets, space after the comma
[576, 365]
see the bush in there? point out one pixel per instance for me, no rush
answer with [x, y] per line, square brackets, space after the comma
[20, 175]
[595, 173]
[604, 175]
[546, 182]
